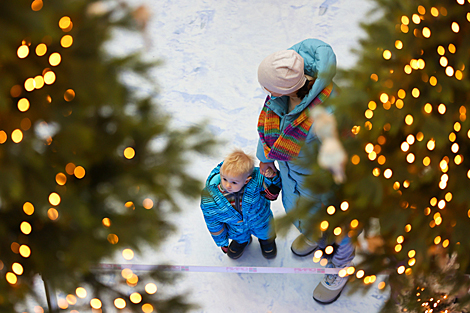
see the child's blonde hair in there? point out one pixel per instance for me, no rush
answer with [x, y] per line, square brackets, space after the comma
[238, 163]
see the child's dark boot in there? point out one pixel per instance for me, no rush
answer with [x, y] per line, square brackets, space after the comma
[268, 248]
[235, 249]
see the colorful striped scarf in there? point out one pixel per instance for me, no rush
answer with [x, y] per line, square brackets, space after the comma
[286, 145]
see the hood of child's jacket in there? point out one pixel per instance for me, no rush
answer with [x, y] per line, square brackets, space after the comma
[214, 176]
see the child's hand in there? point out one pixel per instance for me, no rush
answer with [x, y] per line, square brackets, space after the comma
[267, 169]
[224, 249]
[269, 173]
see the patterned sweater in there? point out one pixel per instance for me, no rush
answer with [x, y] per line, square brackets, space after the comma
[225, 222]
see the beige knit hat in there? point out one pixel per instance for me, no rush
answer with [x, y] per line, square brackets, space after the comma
[282, 72]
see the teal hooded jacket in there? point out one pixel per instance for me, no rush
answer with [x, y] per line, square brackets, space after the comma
[319, 62]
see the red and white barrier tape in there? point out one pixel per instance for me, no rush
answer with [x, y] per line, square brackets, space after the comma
[221, 269]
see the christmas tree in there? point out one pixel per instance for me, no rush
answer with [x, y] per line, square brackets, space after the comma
[87, 168]
[402, 118]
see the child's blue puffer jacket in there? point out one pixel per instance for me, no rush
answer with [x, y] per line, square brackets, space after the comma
[225, 222]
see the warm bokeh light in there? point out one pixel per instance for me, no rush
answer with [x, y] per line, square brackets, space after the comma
[69, 168]
[41, 49]
[329, 250]
[129, 153]
[127, 273]
[384, 97]
[55, 59]
[26, 228]
[106, 222]
[324, 225]
[22, 51]
[24, 251]
[69, 95]
[66, 41]
[95, 303]
[113, 239]
[387, 54]
[36, 5]
[23, 104]
[399, 104]
[147, 308]
[426, 32]
[49, 77]
[54, 199]
[337, 231]
[71, 299]
[81, 292]
[330, 210]
[61, 179]
[398, 44]
[355, 159]
[401, 269]
[17, 136]
[408, 69]
[409, 119]
[428, 108]
[53, 214]
[455, 27]
[449, 71]
[28, 208]
[405, 146]
[79, 172]
[38, 82]
[128, 254]
[62, 303]
[65, 22]
[135, 297]
[17, 268]
[151, 288]
[11, 278]
[120, 303]
[388, 173]
[431, 144]
[410, 158]
[344, 206]
[360, 274]
[147, 203]
[3, 137]
[133, 280]
[443, 61]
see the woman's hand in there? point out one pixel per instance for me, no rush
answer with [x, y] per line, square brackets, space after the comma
[267, 169]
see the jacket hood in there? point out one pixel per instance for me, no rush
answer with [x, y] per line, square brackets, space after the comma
[214, 176]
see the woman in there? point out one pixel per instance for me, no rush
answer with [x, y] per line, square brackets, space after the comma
[297, 80]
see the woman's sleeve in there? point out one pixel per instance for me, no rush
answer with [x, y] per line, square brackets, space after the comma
[260, 153]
